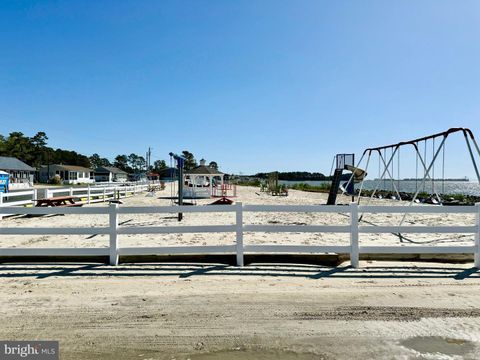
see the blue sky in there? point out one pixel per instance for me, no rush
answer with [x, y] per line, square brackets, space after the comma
[255, 85]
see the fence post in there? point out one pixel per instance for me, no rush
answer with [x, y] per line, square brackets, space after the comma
[88, 194]
[113, 215]
[104, 194]
[34, 196]
[354, 248]
[71, 191]
[477, 238]
[239, 223]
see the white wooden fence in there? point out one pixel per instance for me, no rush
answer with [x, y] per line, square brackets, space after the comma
[26, 198]
[92, 194]
[239, 228]
[87, 195]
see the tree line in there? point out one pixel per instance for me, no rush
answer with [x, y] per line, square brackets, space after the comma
[35, 152]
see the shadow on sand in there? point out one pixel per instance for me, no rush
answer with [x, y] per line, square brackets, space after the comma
[183, 270]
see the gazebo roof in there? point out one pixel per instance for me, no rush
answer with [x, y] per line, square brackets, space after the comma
[203, 170]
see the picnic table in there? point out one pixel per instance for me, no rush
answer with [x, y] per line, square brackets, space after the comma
[57, 201]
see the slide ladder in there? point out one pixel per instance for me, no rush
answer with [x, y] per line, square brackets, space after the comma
[332, 195]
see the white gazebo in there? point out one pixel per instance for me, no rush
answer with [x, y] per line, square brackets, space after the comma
[200, 181]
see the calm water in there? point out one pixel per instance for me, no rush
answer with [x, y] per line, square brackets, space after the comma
[448, 187]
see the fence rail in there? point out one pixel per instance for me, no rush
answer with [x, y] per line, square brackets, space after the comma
[25, 196]
[86, 195]
[239, 228]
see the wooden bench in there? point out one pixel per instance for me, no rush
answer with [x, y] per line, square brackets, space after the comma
[63, 201]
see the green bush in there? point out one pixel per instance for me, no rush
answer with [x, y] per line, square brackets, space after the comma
[311, 188]
[55, 180]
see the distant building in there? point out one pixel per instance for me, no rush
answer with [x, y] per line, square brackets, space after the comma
[110, 174]
[200, 180]
[21, 175]
[69, 174]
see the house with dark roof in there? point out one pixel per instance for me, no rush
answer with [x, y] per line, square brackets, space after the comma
[21, 175]
[68, 174]
[110, 174]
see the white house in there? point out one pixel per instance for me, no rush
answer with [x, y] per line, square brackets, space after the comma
[21, 174]
[110, 174]
[68, 174]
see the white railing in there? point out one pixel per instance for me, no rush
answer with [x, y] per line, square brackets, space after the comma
[86, 195]
[9, 199]
[239, 229]
[92, 194]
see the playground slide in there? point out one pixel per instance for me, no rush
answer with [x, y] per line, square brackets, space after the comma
[358, 176]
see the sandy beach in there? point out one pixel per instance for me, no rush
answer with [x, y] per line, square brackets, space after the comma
[246, 195]
[385, 310]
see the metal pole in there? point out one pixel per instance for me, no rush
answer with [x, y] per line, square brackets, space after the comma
[477, 238]
[427, 174]
[363, 181]
[382, 176]
[391, 177]
[180, 186]
[424, 178]
[379, 180]
[472, 157]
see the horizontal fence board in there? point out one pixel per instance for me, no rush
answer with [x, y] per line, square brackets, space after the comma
[17, 193]
[416, 249]
[177, 229]
[167, 250]
[44, 210]
[54, 252]
[298, 228]
[296, 208]
[79, 189]
[296, 249]
[13, 205]
[175, 209]
[418, 229]
[430, 209]
[53, 231]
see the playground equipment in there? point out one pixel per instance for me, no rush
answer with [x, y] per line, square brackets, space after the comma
[273, 187]
[224, 192]
[386, 167]
[344, 162]
[4, 179]
[387, 163]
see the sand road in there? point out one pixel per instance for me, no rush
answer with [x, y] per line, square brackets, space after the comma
[262, 311]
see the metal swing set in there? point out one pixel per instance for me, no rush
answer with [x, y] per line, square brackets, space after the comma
[386, 164]
[388, 153]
